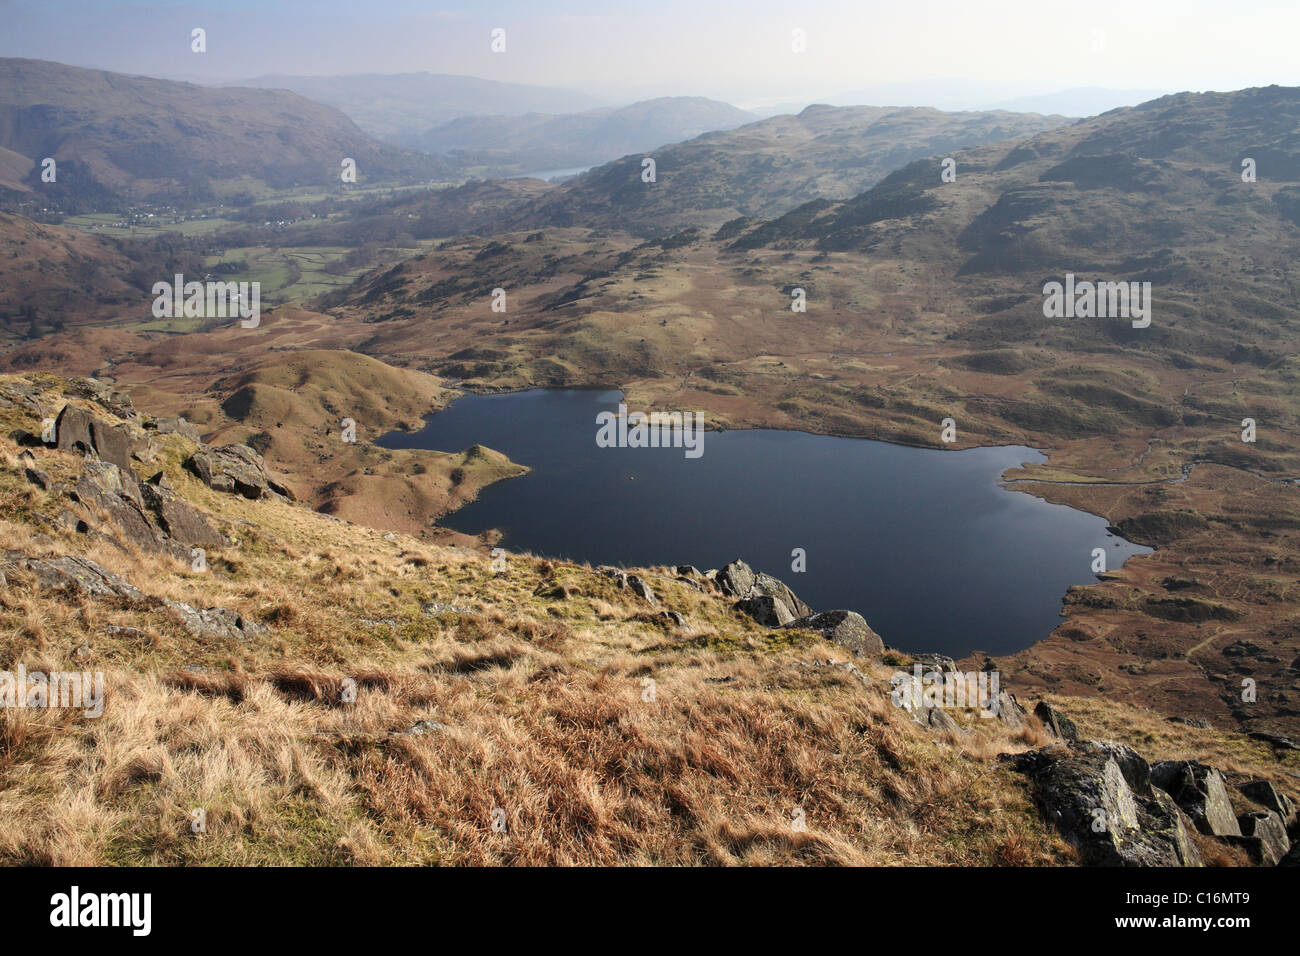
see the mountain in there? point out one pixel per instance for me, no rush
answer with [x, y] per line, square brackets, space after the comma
[511, 145]
[1078, 101]
[119, 138]
[925, 301]
[769, 167]
[400, 107]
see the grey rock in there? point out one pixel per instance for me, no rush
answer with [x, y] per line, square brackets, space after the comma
[1200, 792]
[216, 623]
[1055, 721]
[175, 426]
[766, 610]
[1266, 795]
[1264, 837]
[846, 628]
[1009, 711]
[642, 590]
[1099, 795]
[74, 575]
[235, 468]
[180, 521]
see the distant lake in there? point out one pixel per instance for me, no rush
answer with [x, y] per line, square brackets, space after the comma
[924, 543]
[549, 174]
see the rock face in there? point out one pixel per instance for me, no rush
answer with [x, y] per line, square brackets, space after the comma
[175, 426]
[149, 514]
[1055, 721]
[234, 468]
[77, 430]
[845, 628]
[1200, 792]
[1100, 797]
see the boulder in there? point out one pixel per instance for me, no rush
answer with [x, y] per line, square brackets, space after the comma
[112, 443]
[180, 521]
[216, 623]
[934, 662]
[175, 426]
[1099, 795]
[1264, 837]
[1200, 792]
[1060, 725]
[77, 430]
[232, 468]
[1009, 711]
[72, 429]
[766, 610]
[765, 598]
[71, 574]
[1266, 795]
[846, 628]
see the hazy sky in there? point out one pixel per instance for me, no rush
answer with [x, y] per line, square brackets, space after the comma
[941, 50]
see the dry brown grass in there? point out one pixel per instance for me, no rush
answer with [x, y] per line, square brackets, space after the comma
[600, 733]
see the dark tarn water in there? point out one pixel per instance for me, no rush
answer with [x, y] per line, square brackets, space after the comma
[923, 543]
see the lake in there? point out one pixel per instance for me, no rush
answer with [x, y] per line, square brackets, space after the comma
[924, 543]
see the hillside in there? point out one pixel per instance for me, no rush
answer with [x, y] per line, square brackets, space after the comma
[537, 141]
[925, 301]
[117, 138]
[316, 692]
[769, 167]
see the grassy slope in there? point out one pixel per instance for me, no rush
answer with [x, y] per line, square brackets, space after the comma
[536, 678]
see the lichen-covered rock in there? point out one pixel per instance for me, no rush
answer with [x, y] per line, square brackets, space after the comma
[1100, 797]
[1200, 792]
[846, 628]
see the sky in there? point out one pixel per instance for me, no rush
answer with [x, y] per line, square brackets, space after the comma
[945, 53]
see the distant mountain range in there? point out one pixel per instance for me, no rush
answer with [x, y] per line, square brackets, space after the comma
[401, 106]
[116, 137]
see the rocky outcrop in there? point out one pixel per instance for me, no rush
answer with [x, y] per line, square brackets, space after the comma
[216, 623]
[71, 574]
[631, 582]
[174, 426]
[1267, 796]
[846, 628]
[1264, 837]
[1201, 793]
[148, 515]
[1101, 798]
[236, 469]
[77, 430]
[765, 598]
[1055, 721]
[180, 521]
